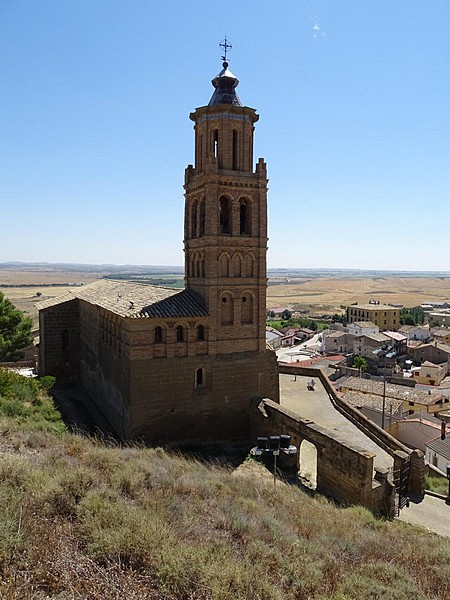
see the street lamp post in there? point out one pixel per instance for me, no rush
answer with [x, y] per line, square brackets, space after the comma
[274, 444]
[448, 477]
[384, 352]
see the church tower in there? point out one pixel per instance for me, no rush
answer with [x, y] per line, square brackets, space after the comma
[225, 227]
[167, 365]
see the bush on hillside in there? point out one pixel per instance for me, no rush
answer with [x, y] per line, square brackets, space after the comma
[26, 400]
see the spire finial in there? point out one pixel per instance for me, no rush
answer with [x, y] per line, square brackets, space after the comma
[226, 47]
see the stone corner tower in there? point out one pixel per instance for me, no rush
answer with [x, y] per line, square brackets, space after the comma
[225, 226]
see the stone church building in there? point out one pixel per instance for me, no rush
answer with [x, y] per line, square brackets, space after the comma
[169, 365]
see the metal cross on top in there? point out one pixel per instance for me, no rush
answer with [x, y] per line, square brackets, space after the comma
[226, 47]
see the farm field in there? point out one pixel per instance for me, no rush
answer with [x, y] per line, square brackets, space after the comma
[315, 294]
[328, 294]
[49, 284]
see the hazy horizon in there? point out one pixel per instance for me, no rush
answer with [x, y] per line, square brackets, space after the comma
[180, 268]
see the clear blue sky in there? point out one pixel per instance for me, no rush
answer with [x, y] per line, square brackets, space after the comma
[355, 126]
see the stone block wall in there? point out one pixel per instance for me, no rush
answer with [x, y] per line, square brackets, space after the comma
[59, 344]
[344, 473]
[416, 483]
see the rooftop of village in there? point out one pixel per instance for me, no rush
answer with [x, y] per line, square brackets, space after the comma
[399, 392]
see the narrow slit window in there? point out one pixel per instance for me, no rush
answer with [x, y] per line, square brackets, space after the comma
[202, 218]
[224, 215]
[235, 151]
[199, 377]
[216, 143]
[65, 340]
[194, 220]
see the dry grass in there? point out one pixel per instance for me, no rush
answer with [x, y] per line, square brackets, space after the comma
[83, 520]
[24, 298]
[330, 293]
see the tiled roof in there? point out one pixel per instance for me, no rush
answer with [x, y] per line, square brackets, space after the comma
[439, 346]
[377, 337]
[54, 301]
[400, 392]
[421, 416]
[410, 328]
[394, 335]
[441, 333]
[372, 401]
[336, 334]
[134, 300]
[441, 447]
[414, 344]
[183, 304]
[364, 324]
[374, 307]
[427, 363]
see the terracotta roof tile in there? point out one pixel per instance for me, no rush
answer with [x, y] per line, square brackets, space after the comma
[183, 304]
[134, 300]
[371, 401]
[400, 392]
[441, 447]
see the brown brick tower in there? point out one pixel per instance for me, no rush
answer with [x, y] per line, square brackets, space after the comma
[226, 221]
[176, 366]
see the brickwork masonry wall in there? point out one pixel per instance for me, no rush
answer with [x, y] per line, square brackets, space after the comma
[171, 401]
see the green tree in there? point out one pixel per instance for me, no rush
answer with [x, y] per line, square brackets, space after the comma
[412, 316]
[15, 331]
[408, 320]
[360, 363]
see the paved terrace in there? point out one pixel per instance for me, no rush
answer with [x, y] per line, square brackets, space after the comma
[316, 406]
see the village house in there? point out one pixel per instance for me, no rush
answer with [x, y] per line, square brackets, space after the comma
[303, 333]
[429, 373]
[441, 334]
[437, 453]
[362, 328]
[415, 430]
[165, 365]
[411, 346]
[365, 345]
[397, 341]
[416, 332]
[337, 342]
[386, 317]
[434, 352]
[273, 338]
[439, 318]
[294, 335]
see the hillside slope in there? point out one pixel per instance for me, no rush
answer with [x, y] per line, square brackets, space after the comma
[82, 518]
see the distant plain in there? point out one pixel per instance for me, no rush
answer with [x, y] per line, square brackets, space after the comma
[328, 294]
[312, 292]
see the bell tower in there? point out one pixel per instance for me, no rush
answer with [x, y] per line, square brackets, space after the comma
[225, 226]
